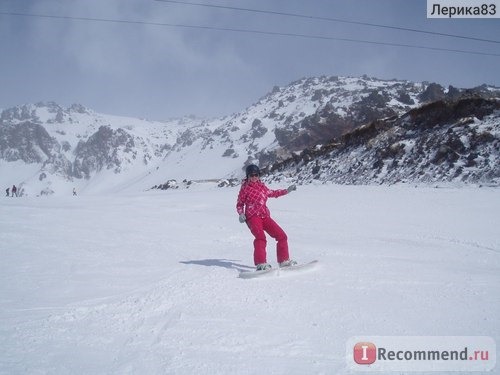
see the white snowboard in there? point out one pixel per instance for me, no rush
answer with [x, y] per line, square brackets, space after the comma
[276, 271]
[303, 266]
[254, 274]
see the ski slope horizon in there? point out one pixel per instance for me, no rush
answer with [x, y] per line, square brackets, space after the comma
[146, 282]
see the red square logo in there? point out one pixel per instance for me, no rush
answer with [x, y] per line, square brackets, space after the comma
[365, 353]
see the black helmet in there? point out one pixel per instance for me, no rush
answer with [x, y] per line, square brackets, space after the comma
[252, 169]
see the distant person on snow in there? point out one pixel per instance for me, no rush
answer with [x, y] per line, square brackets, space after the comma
[14, 190]
[7, 191]
[252, 209]
[74, 191]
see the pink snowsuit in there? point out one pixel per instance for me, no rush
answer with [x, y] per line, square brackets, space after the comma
[252, 200]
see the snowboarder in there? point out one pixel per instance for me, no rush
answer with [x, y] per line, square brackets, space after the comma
[7, 191]
[14, 190]
[74, 191]
[252, 210]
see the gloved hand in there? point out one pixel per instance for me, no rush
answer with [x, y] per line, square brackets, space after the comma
[291, 188]
[242, 218]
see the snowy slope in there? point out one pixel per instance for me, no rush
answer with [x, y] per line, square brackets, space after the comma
[147, 284]
[67, 146]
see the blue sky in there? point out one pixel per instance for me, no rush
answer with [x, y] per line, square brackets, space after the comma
[158, 72]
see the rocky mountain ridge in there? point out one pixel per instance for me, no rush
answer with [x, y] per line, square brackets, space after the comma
[75, 145]
[444, 141]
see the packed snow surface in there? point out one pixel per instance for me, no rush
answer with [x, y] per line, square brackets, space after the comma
[147, 283]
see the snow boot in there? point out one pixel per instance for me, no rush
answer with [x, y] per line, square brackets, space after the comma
[263, 266]
[288, 263]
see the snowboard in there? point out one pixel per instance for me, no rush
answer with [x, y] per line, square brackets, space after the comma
[276, 271]
[255, 274]
[302, 266]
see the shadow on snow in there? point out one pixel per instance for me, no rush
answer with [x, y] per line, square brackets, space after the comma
[224, 263]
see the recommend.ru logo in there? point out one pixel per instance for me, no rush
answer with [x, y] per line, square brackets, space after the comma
[421, 353]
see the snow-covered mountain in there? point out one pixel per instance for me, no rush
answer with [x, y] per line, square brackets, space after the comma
[456, 141]
[47, 148]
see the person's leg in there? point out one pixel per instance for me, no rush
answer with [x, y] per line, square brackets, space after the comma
[276, 232]
[259, 244]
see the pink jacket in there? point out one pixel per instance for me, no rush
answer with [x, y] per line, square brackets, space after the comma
[253, 196]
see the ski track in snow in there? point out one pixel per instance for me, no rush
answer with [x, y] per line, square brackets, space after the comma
[148, 283]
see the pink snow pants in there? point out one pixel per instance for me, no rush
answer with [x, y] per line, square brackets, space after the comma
[259, 225]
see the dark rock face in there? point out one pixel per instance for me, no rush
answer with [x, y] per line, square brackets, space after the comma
[27, 141]
[444, 141]
[101, 150]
